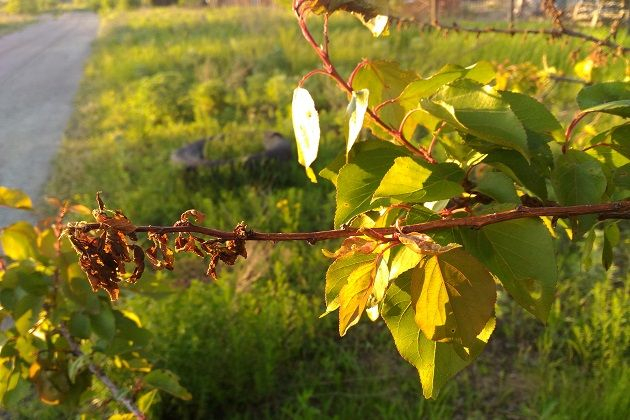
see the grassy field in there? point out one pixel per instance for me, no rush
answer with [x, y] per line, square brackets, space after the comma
[252, 345]
[10, 23]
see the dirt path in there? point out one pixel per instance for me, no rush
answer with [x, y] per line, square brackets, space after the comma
[40, 70]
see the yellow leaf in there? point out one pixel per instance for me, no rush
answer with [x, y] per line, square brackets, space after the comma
[454, 297]
[354, 295]
[14, 198]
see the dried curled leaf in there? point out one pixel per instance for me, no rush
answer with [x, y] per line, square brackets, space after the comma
[424, 244]
[351, 245]
[196, 215]
[227, 253]
[103, 254]
[160, 247]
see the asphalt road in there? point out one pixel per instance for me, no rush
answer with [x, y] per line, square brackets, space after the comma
[40, 69]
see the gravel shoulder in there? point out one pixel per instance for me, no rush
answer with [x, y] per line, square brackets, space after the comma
[40, 70]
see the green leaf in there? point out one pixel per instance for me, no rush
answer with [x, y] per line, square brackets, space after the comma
[104, 323]
[337, 277]
[35, 283]
[306, 128]
[516, 167]
[620, 108]
[578, 178]
[410, 97]
[167, 381]
[15, 198]
[357, 107]
[354, 295]
[480, 111]
[383, 79]
[404, 259]
[521, 254]
[80, 325]
[77, 366]
[358, 180]
[602, 93]
[532, 114]
[497, 186]
[146, 400]
[331, 171]
[612, 235]
[412, 182]
[26, 313]
[19, 241]
[435, 362]
[454, 297]
[621, 181]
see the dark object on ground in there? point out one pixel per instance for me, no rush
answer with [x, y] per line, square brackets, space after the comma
[276, 147]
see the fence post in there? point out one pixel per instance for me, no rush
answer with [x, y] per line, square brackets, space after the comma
[511, 14]
[434, 12]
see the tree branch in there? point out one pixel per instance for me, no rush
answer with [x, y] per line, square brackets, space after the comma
[116, 392]
[554, 33]
[614, 210]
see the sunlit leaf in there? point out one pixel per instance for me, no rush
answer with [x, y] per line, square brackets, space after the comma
[306, 128]
[378, 25]
[337, 276]
[354, 295]
[435, 362]
[381, 280]
[480, 111]
[14, 198]
[19, 241]
[454, 297]
[411, 181]
[410, 97]
[359, 179]
[358, 106]
[404, 259]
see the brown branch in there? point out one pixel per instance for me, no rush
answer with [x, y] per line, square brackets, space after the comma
[614, 210]
[569, 131]
[98, 372]
[554, 33]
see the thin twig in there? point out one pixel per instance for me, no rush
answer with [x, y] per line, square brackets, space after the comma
[312, 73]
[116, 392]
[569, 132]
[597, 145]
[613, 210]
[325, 35]
[554, 33]
[436, 133]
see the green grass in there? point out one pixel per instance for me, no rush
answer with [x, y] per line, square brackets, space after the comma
[11, 23]
[252, 345]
